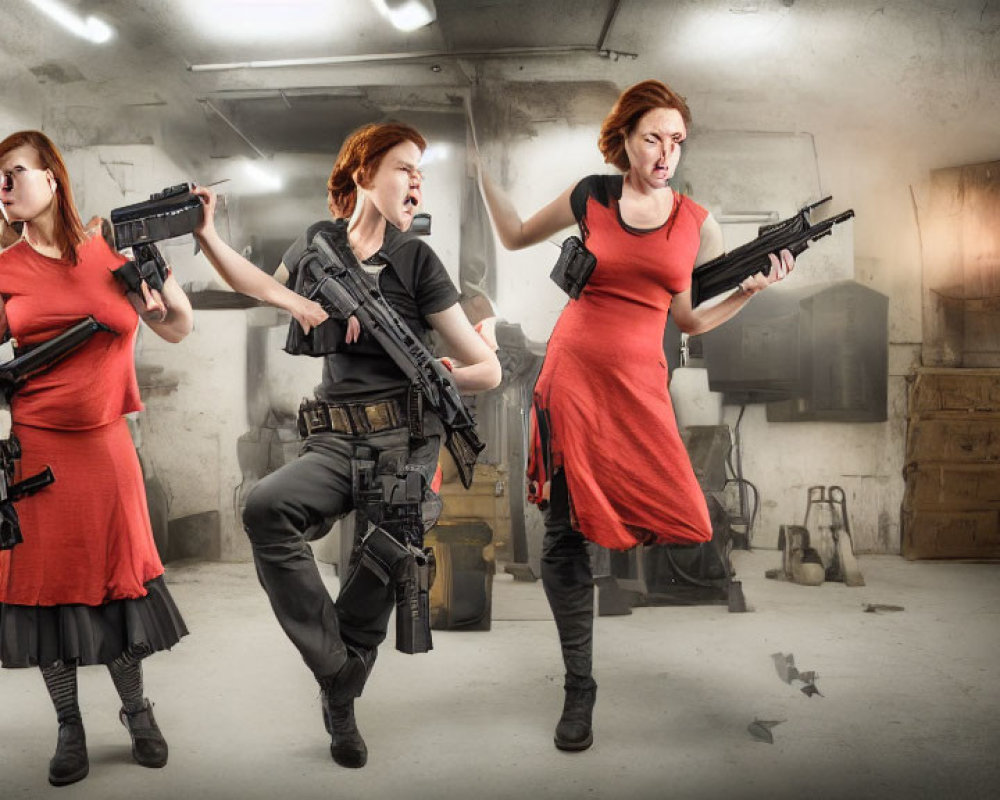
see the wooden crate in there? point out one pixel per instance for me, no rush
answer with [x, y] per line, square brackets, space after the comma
[955, 534]
[960, 390]
[951, 503]
[965, 439]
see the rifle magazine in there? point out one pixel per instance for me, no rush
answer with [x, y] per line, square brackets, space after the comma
[464, 449]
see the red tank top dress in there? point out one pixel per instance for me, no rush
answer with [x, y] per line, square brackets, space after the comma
[87, 537]
[601, 409]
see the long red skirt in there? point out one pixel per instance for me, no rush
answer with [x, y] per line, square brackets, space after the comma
[87, 537]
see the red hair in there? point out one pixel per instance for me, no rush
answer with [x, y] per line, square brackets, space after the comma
[361, 153]
[628, 109]
[69, 230]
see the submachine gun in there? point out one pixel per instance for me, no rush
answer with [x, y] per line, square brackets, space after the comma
[793, 234]
[13, 374]
[391, 549]
[167, 214]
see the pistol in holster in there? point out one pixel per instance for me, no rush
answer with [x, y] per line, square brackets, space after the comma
[388, 505]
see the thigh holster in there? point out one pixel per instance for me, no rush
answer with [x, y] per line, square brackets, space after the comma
[389, 542]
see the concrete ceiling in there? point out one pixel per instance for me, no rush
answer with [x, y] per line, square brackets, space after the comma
[885, 67]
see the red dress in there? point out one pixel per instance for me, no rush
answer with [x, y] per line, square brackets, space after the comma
[87, 537]
[601, 408]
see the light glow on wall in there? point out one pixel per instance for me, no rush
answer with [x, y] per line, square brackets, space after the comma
[733, 33]
[262, 179]
[90, 28]
[436, 151]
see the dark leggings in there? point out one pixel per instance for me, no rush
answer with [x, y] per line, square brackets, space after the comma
[126, 673]
[569, 586]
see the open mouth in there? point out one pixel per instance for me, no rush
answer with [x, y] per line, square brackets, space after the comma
[412, 201]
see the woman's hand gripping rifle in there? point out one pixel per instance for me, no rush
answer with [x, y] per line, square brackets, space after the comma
[729, 270]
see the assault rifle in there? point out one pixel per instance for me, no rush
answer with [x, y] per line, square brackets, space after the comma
[167, 214]
[340, 287]
[729, 270]
[13, 374]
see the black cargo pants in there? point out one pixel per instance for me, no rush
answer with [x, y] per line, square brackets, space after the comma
[299, 503]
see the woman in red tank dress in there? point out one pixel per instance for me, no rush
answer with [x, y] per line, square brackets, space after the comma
[607, 463]
[85, 585]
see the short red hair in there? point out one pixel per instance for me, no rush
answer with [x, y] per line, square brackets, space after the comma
[628, 109]
[364, 150]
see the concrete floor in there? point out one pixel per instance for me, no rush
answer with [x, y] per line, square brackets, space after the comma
[909, 708]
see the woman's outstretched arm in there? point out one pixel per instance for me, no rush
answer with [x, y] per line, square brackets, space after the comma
[246, 278]
[515, 233]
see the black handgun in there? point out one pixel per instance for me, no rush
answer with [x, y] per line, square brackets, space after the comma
[173, 212]
[729, 270]
[392, 546]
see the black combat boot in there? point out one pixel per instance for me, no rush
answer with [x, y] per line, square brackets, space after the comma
[574, 730]
[347, 746]
[70, 763]
[149, 748]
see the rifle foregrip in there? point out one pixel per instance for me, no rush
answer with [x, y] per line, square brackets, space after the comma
[728, 271]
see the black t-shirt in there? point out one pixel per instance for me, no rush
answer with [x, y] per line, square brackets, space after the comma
[412, 279]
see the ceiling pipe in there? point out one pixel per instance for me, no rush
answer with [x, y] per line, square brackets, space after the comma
[374, 58]
[608, 22]
[260, 153]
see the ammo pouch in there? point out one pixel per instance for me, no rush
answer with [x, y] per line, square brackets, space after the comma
[573, 268]
[411, 571]
[323, 339]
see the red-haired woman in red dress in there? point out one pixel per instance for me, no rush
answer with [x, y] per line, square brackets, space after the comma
[85, 585]
[607, 463]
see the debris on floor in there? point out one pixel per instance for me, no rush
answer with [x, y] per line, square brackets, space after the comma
[874, 608]
[789, 673]
[760, 729]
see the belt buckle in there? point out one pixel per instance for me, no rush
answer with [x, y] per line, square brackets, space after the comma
[315, 418]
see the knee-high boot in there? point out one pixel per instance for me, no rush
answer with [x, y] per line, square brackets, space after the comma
[569, 587]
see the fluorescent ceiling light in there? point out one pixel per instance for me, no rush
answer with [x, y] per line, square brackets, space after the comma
[407, 15]
[264, 180]
[92, 29]
[251, 22]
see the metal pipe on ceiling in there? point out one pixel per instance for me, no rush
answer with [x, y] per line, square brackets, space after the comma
[370, 58]
[236, 130]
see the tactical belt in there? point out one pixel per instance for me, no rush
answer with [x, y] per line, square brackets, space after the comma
[356, 419]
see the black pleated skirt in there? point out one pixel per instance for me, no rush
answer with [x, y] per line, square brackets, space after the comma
[33, 636]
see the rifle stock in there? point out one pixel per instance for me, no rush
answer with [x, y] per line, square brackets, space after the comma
[730, 269]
